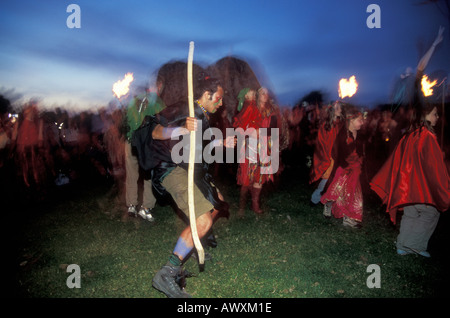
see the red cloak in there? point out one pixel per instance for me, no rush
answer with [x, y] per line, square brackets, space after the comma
[322, 151]
[248, 117]
[415, 173]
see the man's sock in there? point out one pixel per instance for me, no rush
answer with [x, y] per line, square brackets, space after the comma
[174, 260]
[180, 252]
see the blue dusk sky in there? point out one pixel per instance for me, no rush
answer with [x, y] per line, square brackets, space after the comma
[294, 46]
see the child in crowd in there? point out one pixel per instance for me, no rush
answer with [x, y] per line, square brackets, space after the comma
[343, 197]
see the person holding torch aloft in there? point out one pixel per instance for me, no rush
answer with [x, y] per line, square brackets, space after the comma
[415, 179]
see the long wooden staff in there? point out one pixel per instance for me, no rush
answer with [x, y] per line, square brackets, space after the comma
[192, 219]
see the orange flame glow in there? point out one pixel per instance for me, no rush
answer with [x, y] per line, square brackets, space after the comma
[122, 87]
[348, 87]
[427, 86]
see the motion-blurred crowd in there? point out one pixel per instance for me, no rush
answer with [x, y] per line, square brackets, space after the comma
[47, 148]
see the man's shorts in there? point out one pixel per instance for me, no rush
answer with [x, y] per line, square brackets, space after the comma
[176, 183]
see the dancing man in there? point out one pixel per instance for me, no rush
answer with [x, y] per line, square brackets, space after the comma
[169, 177]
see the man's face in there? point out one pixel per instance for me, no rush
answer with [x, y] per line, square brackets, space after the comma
[213, 102]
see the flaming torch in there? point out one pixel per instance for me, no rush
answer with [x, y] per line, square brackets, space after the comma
[122, 87]
[427, 90]
[347, 88]
[427, 86]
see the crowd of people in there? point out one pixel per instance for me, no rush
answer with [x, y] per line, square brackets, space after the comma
[345, 153]
[60, 140]
[41, 148]
[337, 147]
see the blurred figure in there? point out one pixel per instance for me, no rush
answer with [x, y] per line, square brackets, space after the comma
[4, 141]
[50, 145]
[29, 136]
[115, 144]
[84, 132]
[404, 88]
[386, 136]
[372, 124]
[308, 131]
[97, 153]
[322, 158]
[147, 104]
[343, 198]
[225, 170]
[70, 138]
[8, 176]
[8, 125]
[294, 117]
[387, 128]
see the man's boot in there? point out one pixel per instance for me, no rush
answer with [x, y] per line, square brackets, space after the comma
[166, 281]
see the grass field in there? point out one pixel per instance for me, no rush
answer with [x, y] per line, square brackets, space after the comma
[290, 252]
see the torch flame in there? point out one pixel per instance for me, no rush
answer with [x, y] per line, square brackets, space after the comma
[348, 87]
[427, 86]
[122, 87]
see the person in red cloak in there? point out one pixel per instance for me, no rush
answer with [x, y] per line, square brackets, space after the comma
[322, 160]
[255, 114]
[415, 179]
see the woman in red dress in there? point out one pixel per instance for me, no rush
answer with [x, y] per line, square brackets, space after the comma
[343, 197]
[256, 114]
